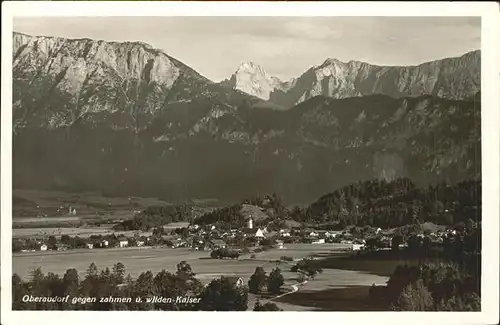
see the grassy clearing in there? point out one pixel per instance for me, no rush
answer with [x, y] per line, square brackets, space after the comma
[381, 263]
[174, 225]
[139, 259]
[135, 259]
[351, 298]
[31, 203]
[29, 232]
[332, 285]
[81, 232]
[378, 267]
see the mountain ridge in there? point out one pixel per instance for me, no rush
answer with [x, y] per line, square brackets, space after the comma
[338, 79]
[124, 121]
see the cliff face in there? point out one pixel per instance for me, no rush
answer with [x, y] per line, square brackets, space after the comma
[61, 81]
[452, 78]
[125, 119]
[252, 79]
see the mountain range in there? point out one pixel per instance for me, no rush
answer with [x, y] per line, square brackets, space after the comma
[453, 78]
[128, 119]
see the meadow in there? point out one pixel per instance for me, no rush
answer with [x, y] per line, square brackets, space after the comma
[140, 259]
[42, 213]
[33, 208]
[85, 232]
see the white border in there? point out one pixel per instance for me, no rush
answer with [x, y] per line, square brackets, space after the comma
[490, 149]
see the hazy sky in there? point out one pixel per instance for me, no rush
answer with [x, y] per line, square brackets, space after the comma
[284, 46]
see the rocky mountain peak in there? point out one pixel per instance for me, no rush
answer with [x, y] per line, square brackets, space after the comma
[251, 67]
[92, 76]
[452, 78]
[126, 119]
[253, 79]
[331, 61]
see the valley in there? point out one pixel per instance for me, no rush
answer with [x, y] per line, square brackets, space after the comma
[135, 175]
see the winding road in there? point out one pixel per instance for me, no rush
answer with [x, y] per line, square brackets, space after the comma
[295, 288]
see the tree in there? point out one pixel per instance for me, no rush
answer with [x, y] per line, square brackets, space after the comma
[268, 306]
[92, 270]
[257, 280]
[415, 297]
[158, 231]
[119, 272]
[51, 242]
[183, 268]
[37, 283]
[471, 226]
[414, 243]
[275, 281]
[65, 239]
[55, 288]
[71, 282]
[308, 267]
[17, 245]
[396, 241]
[372, 243]
[144, 287]
[18, 292]
[426, 245]
[460, 227]
[170, 285]
[301, 278]
[470, 302]
[222, 295]
[186, 275]
[215, 254]
[267, 242]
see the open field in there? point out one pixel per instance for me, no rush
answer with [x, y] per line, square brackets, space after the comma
[135, 259]
[29, 205]
[81, 232]
[298, 251]
[252, 299]
[174, 225]
[48, 199]
[349, 298]
[105, 229]
[382, 263]
[138, 260]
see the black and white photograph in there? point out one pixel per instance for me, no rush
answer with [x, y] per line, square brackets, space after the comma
[247, 163]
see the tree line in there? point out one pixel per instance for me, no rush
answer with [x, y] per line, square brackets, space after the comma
[220, 294]
[260, 282]
[375, 202]
[156, 216]
[392, 204]
[450, 283]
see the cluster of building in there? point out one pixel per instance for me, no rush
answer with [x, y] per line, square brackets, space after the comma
[210, 237]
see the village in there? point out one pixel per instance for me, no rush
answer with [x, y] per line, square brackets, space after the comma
[210, 237]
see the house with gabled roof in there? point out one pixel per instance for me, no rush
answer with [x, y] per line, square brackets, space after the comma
[259, 233]
[122, 241]
[236, 281]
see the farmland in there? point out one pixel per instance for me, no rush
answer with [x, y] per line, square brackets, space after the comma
[42, 213]
[43, 209]
[140, 259]
[84, 232]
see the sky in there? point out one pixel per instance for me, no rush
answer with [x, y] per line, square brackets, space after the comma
[284, 46]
